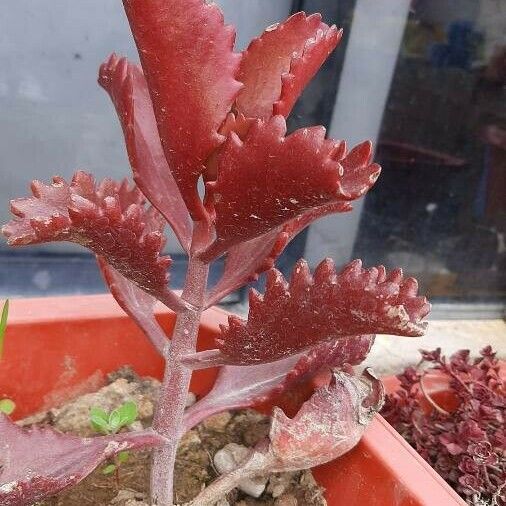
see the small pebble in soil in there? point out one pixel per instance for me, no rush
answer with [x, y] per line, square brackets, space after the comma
[217, 422]
[278, 483]
[228, 459]
[129, 498]
[286, 500]
[191, 399]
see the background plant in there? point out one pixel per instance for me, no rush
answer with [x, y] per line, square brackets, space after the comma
[465, 445]
[198, 111]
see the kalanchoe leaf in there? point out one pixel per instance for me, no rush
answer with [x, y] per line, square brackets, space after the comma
[327, 426]
[246, 261]
[285, 178]
[289, 318]
[187, 55]
[40, 462]
[239, 387]
[138, 304]
[276, 67]
[334, 354]
[244, 386]
[236, 123]
[343, 350]
[108, 218]
[304, 67]
[338, 352]
[127, 87]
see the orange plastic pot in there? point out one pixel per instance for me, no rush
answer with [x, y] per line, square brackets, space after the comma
[57, 348]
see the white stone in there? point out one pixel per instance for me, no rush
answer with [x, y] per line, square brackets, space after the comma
[191, 399]
[228, 459]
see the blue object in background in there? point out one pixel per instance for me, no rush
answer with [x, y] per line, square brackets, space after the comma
[458, 51]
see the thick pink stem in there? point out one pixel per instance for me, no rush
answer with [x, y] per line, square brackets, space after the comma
[205, 359]
[168, 420]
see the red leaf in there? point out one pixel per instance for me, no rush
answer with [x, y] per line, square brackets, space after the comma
[108, 218]
[277, 66]
[304, 67]
[326, 306]
[40, 462]
[187, 55]
[244, 386]
[284, 178]
[331, 355]
[136, 303]
[127, 87]
[234, 122]
[246, 261]
[327, 426]
[239, 387]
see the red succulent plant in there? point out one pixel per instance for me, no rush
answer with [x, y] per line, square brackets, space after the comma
[196, 109]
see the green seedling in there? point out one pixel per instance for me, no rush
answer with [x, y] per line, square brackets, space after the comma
[7, 406]
[3, 325]
[120, 459]
[110, 423]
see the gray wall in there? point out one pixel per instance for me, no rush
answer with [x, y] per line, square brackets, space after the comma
[54, 118]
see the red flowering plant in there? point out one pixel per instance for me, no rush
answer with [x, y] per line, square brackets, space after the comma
[466, 445]
[196, 110]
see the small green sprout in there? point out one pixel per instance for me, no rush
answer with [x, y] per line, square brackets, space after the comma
[3, 325]
[110, 423]
[7, 406]
[121, 458]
